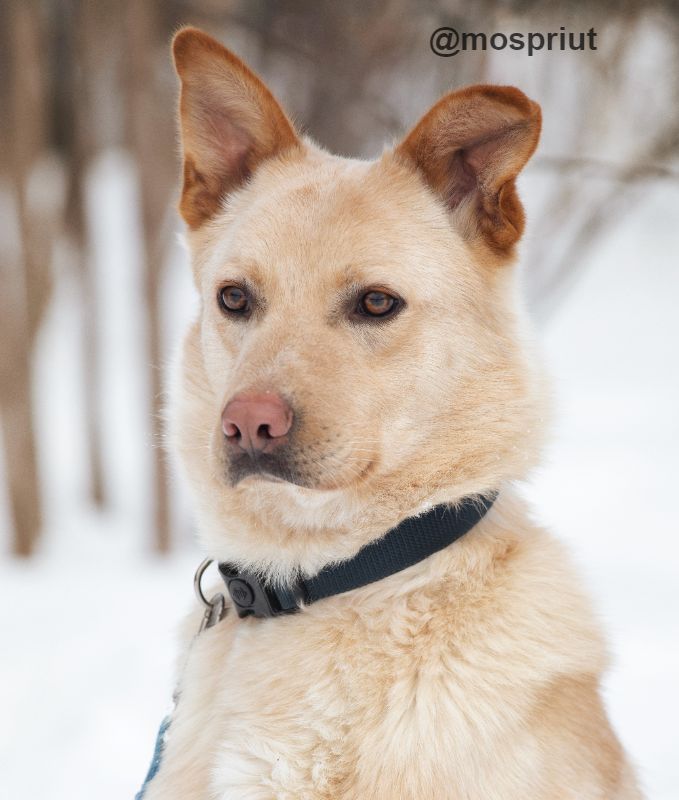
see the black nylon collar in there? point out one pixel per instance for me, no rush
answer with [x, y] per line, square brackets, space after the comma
[411, 541]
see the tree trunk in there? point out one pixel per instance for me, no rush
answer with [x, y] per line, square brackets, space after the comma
[20, 455]
[151, 139]
[77, 59]
[27, 287]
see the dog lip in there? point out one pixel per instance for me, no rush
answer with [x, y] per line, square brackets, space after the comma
[259, 465]
[265, 476]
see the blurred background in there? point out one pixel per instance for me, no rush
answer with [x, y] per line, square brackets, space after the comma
[95, 529]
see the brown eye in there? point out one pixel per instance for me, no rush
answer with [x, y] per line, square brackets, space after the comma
[234, 300]
[377, 304]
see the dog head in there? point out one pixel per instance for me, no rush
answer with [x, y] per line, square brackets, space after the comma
[358, 352]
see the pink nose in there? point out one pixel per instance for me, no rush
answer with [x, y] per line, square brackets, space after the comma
[256, 422]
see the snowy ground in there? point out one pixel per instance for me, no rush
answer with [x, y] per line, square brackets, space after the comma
[88, 626]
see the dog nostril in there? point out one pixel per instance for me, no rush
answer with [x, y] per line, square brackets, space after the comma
[264, 432]
[231, 431]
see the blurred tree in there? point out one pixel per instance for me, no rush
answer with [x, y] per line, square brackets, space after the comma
[150, 132]
[26, 272]
[78, 29]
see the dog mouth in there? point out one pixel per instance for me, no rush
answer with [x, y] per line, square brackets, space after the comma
[272, 467]
[284, 466]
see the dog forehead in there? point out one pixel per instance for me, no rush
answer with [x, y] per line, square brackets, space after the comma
[328, 218]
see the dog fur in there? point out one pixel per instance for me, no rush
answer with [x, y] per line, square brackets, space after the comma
[473, 675]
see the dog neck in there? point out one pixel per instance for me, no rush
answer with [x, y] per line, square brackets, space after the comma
[411, 541]
[265, 535]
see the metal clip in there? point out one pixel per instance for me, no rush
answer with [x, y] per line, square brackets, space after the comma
[215, 609]
[214, 613]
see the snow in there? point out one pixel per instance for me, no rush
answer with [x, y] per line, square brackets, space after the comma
[89, 624]
[608, 484]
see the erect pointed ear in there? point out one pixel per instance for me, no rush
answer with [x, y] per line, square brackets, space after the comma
[229, 122]
[470, 147]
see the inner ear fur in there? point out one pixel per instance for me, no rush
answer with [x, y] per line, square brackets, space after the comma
[469, 148]
[229, 123]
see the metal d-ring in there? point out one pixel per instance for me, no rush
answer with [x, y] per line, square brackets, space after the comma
[197, 579]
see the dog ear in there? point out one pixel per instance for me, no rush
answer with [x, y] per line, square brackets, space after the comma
[470, 147]
[229, 123]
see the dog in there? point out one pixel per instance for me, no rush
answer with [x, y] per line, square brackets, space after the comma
[360, 362]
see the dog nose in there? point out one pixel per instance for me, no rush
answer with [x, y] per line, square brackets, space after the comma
[256, 422]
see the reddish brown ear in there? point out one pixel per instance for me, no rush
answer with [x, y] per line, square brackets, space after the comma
[229, 121]
[470, 147]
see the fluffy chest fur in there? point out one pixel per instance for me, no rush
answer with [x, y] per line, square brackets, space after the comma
[427, 685]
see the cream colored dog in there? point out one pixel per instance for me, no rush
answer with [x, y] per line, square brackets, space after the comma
[359, 357]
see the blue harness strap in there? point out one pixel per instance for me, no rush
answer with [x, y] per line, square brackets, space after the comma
[157, 756]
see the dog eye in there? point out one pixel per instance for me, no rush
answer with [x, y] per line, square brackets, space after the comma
[377, 304]
[233, 300]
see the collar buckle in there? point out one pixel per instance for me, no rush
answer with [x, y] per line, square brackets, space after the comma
[253, 598]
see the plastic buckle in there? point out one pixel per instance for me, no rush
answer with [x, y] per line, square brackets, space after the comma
[252, 598]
